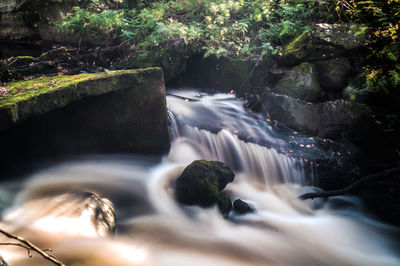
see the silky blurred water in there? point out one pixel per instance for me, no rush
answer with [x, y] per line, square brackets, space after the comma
[67, 207]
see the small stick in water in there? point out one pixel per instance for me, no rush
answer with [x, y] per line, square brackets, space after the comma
[325, 194]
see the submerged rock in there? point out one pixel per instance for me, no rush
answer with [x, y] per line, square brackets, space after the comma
[201, 182]
[241, 207]
[301, 83]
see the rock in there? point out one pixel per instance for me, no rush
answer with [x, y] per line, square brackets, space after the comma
[224, 205]
[301, 83]
[333, 119]
[242, 207]
[333, 73]
[33, 20]
[117, 111]
[10, 5]
[348, 36]
[201, 182]
[224, 73]
[296, 50]
[382, 198]
[14, 28]
[95, 212]
[333, 164]
[172, 59]
[324, 41]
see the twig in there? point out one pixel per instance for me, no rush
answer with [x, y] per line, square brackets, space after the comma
[349, 188]
[28, 249]
[30, 246]
[251, 72]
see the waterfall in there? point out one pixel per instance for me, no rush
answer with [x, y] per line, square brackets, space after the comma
[153, 229]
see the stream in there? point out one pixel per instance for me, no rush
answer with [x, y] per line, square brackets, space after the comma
[68, 206]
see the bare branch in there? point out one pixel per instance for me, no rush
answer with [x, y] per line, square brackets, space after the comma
[325, 194]
[30, 246]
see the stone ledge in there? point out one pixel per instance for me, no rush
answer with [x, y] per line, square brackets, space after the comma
[112, 112]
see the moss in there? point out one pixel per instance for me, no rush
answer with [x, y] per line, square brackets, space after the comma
[22, 60]
[301, 82]
[224, 204]
[25, 57]
[53, 53]
[201, 182]
[27, 98]
[297, 43]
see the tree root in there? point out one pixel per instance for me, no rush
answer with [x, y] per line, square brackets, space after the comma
[325, 194]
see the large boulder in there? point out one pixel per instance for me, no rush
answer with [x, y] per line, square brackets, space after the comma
[334, 73]
[201, 182]
[301, 83]
[324, 41]
[118, 111]
[334, 119]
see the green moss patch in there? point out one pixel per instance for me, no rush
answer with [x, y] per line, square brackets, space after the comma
[24, 99]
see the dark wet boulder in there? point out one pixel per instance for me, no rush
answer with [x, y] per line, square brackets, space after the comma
[241, 207]
[334, 73]
[337, 119]
[201, 182]
[301, 82]
[224, 205]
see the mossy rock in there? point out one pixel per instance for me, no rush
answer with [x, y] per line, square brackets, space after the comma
[324, 41]
[224, 204]
[301, 83]
[171, 58]
[296, 50]
[201, 182]
[25, 99]
[116, 112]
[241, 207]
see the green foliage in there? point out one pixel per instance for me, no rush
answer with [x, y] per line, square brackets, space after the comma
[382, 19]
[214, 27]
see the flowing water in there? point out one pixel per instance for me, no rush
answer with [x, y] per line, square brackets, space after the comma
[63, 207]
